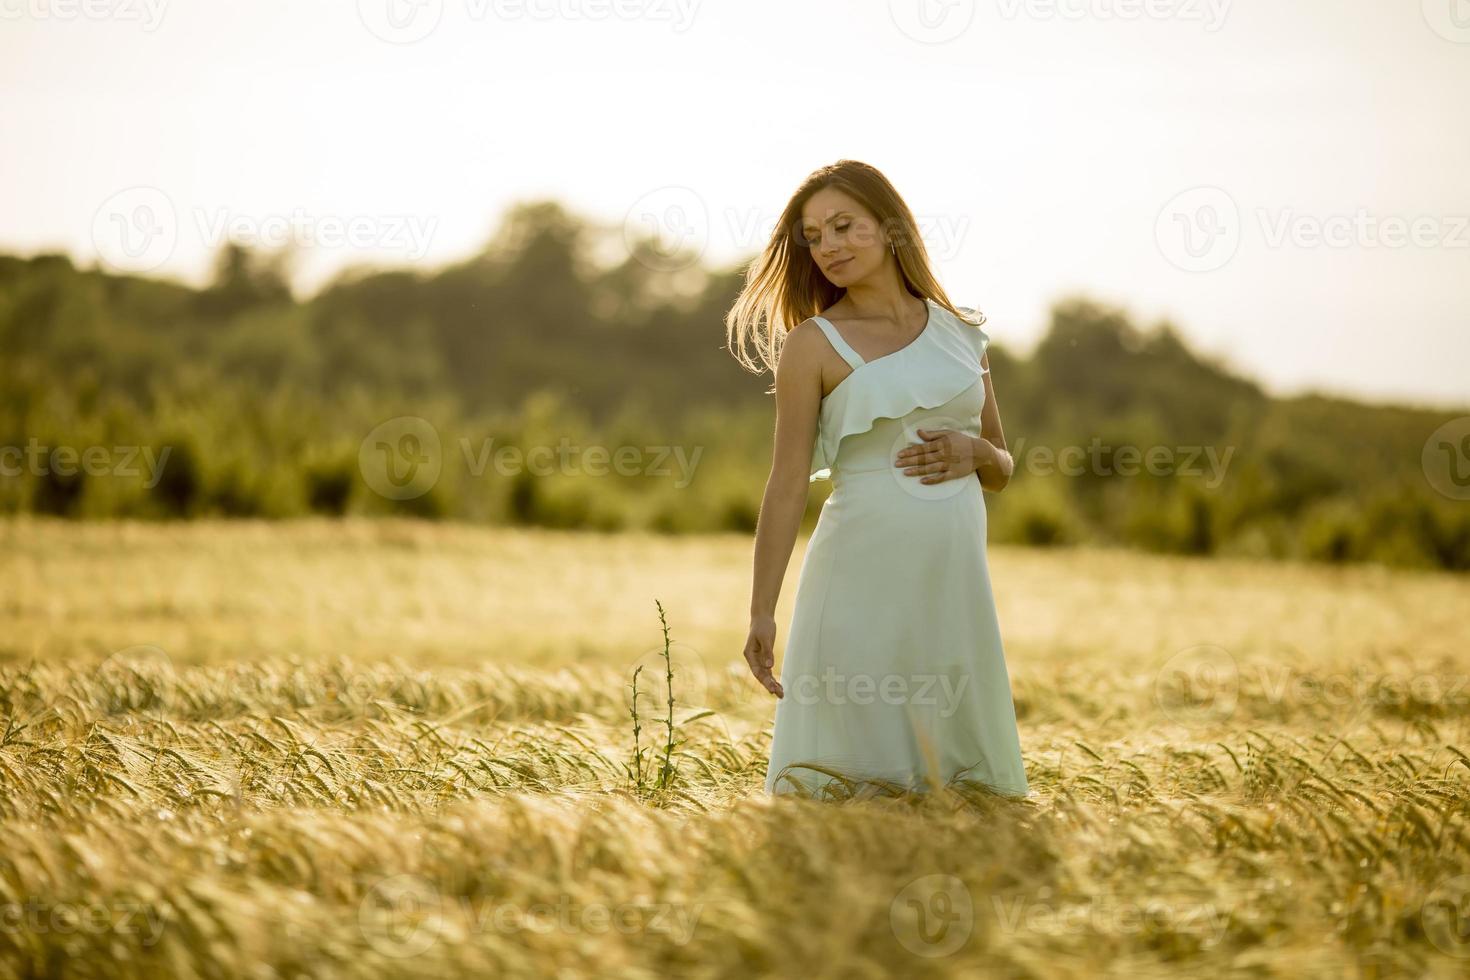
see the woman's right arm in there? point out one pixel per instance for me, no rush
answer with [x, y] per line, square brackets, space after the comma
[798, 400]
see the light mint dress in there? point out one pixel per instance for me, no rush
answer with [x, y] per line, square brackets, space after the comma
[893, 667]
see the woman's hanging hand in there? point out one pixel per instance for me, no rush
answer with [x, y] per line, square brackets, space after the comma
[760, 653]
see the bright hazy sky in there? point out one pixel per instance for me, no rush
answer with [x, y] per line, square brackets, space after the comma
[1046, 147]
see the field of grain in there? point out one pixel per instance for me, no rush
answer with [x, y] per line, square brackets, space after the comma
[365, 749]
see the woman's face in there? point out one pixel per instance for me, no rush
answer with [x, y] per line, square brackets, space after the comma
[844, 237]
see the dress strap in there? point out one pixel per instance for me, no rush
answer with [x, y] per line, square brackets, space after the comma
[852, 357]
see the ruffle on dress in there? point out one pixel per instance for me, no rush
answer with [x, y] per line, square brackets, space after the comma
[932, 370]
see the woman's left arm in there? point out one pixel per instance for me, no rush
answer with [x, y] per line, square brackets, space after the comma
[993, 462]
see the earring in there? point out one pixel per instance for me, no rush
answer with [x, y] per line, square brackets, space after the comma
[893, 248]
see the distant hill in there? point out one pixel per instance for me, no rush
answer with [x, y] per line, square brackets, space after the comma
[265, 397]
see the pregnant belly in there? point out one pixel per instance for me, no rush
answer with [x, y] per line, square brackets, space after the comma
[890, 502]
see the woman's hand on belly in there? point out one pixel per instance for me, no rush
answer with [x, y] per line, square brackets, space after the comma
[945, 454]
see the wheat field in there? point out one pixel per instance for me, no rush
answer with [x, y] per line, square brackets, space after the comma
[388, 748]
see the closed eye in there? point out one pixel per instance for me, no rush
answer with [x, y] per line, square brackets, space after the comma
[812, 241]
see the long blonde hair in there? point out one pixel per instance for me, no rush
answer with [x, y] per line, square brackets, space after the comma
[783, 285]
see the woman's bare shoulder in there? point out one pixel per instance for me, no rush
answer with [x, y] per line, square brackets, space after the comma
[801, 351]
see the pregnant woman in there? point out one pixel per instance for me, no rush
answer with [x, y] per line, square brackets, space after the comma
[894, 677]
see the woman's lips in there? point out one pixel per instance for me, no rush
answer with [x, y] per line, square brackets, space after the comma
[839, 264]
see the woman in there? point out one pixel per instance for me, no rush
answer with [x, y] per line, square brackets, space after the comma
[894, 675]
